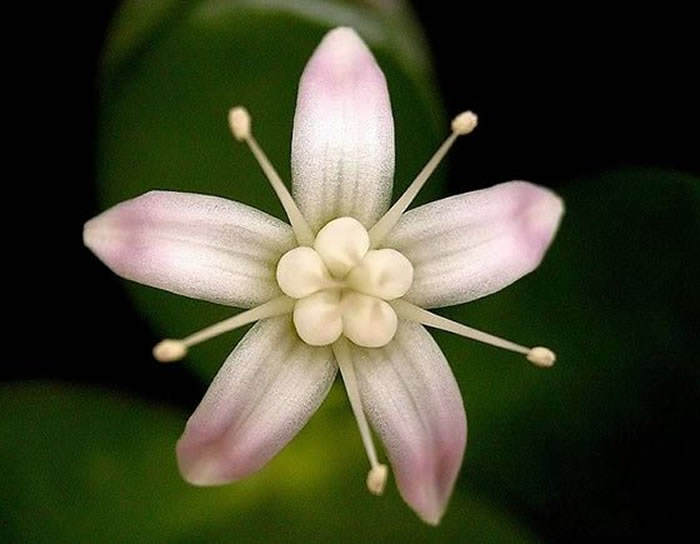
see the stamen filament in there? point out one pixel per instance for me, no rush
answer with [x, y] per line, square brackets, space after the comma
[538, 355]
[464, 123]
[239, 121]
[173, 350]
[376, 478]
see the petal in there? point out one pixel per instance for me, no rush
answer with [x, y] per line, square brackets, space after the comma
[343, 141]
[413, 402]
[194, 245]
[262, 396]
[471, 245]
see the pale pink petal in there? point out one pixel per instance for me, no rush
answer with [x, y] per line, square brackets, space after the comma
[195, 245]
[413, 402]
[262, 396]
[343, 141]
[471, 245]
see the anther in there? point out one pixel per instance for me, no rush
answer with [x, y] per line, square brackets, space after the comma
[376, 479]
[168, 351]
[239, 121]
[464, 123]
[542, 357]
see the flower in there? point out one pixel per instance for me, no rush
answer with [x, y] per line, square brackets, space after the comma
[345, 285]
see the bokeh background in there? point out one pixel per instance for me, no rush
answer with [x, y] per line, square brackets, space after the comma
[110, 100]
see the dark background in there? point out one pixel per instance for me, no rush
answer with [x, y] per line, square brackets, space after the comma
[570, 93]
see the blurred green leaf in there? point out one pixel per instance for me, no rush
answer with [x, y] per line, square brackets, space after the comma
[84, 465]
[614, 298]
[172, 71]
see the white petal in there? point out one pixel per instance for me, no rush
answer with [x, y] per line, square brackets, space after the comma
[343, 141]
[413, 402]
[263, 395]
[194, 245]
[471, 245]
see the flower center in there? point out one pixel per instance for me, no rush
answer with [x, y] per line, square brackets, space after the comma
[341, 286]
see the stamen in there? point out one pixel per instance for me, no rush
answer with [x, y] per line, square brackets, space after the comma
[376, 478]
[539, 356]
[464, 123]
[170, 350]
[239, 121]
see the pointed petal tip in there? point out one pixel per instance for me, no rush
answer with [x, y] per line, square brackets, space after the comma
[540, 222]
[343, 54]
[100, 237]
[199, 475]
[201, 468]
[343, 38]
[428, 491]
[89, 234]
[432, 517]
[342, 32]
[342, 164]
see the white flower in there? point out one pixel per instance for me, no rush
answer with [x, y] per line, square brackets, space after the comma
[345, 286]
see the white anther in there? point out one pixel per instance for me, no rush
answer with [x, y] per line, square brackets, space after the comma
[301, 272]
[383, 273]
[317, 318]
[376, 479]
[239, 121]
[342, 244]
[368, 321]
[464, 123]
[169, 350]
[542, 357]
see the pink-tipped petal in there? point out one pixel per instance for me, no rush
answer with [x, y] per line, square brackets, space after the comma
[412, 400]
[195, 245]
[343, 140]
[471, 245]
[262, 396]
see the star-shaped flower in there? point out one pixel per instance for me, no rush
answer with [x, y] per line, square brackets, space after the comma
[345, 286]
